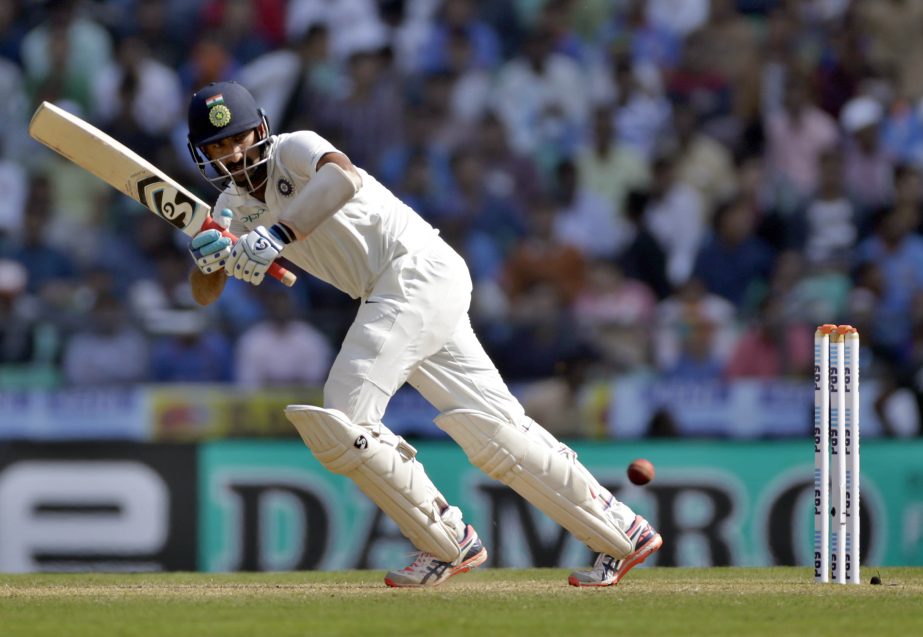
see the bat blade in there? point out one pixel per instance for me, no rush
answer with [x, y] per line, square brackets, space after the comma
[119, 166]
[127, 171]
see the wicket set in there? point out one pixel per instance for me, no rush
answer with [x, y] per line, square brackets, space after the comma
[836, 454]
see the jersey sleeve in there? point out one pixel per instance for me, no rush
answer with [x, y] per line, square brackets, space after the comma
[299, 152]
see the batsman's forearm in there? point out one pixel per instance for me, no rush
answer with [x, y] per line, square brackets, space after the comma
[206, 288]
[326, 193]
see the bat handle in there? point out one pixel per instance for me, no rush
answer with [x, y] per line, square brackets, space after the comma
[275, 270]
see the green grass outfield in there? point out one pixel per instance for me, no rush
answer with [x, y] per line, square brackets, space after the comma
[503, 602]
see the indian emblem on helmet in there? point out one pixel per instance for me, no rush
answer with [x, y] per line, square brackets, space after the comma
[219, 115]
[285, 187]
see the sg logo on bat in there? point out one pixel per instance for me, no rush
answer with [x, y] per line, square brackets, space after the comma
[164, 199]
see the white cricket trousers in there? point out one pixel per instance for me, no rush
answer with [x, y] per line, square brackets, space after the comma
[414, 327]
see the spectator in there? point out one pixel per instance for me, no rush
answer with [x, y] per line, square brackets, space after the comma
[842, 65]
[420, 142]
[868, 171]
[649, 43]
[295, 82]
[902, 132]
[249, 27]
[368, 117]
[702, 161]
[540, 337]
[30, 338]
[538, 259]
[892, 42]
[584, 219]
[514, 173]
[282, 350]
[557, 18]
[352, 23]
[542, 99]
[165, 28]
[52, 271]
[772, 346]
[831, 219]
[727, 30]
[12, 31]
[896, 406]
[471, 83]
[608, 167]
[643, 258]
[208, 60]
[61, 55]
[734, 263]
[416, 185]
[14, 109]
[184, 351]
[109, 350]
[14, 183]
[676, 217]
[815, 293]
[482, 222]
[697, 359]
[695, 81]
[614, 312]
[690, 307]
[138, 89]
[908, 190]
[898, 252]
[796, 137]
[459, 17]
[165, 291]
[678, 16]
[642, 111]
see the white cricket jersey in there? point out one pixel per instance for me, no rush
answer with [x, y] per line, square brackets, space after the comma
[354, 246]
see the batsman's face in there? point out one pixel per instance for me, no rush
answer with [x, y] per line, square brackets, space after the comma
[235, 155]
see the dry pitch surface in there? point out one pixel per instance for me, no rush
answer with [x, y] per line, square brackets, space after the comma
[651, 601]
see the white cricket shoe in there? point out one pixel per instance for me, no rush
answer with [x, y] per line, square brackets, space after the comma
[607, 571]
[427, 570]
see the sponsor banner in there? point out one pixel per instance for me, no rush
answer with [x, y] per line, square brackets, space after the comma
[272, 506]
[73, 414]
[184, 413]
[101, 507]
[629, 407]
[739, 409]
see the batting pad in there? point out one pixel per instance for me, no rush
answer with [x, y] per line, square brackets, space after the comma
[554, 482]
[387, 473]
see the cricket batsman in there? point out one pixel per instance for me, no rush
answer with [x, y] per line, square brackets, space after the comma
[295, 195]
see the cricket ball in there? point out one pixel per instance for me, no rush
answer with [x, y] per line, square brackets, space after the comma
[641, 471]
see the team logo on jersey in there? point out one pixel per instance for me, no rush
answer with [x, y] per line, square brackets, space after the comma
[219, 115]
[285, 187]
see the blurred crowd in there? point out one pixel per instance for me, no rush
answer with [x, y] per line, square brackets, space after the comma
[681, 187]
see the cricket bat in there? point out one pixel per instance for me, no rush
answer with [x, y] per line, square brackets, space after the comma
[120, 167]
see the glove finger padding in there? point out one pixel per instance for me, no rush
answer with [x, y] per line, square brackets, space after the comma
[212, 263]
[252, 256]
[209, 249]
[248, 265]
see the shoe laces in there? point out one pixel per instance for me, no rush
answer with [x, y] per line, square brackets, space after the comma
[423, 562]
[604, 564]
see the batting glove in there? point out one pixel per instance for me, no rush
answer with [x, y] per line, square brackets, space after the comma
[209, 248]
[252, 255]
